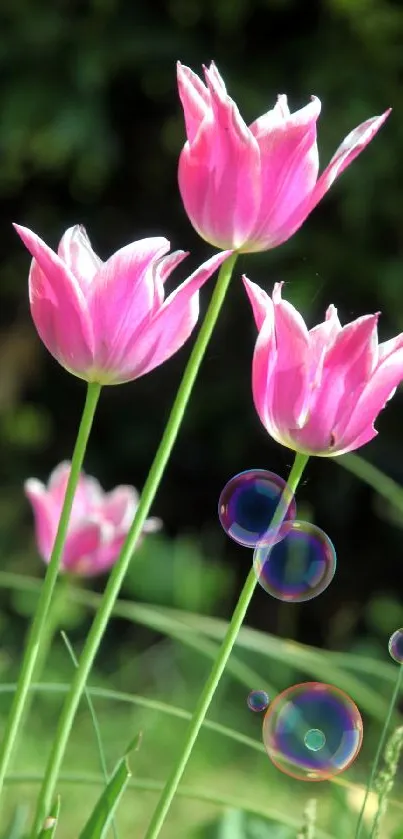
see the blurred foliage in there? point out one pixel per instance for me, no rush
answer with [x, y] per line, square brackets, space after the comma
[90, 132]
[91, 128]
[235, 824]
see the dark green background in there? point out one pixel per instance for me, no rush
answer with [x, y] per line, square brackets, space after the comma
[90, 131]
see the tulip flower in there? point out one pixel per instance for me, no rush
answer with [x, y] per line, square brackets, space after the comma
[98, 525]
[108, 322]
[319, 391]
[250, 188]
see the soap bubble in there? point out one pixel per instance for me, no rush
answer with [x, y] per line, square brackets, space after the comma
[299, 566]
[258, 700]
[247, 505]
[395, 646]
[312, 731]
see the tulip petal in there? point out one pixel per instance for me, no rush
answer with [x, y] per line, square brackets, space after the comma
[58, 306]
[346, 369]
[119, 506]
[88, 494]
[213, 77]
[76, 252]
[264, 125]
[263, 370]
[290, 163]
[107, 555]
[386, 348]
[123, 300]
[152, 525]
[163, 270]
[321, 338]
[292, 365]
[348, 446]
[351, 359]
[45, 516]
[351, 147]
[195, 99]
[219, 173]
[377, 392]
[82, 544]
[259, 300]
[58, 479]
[323, 334]
[172, 325]
[265, 353]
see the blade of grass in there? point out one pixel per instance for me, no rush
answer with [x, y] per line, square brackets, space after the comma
[172, 711]
[174, 623]
[309, 660]
[372, 476]
[143, 702]
[95, 724]
[102, 816]
[172, 627]
[381, 745]
[195, 794]
[49, 828]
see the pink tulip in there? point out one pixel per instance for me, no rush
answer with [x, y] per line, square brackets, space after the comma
[99, 521]
[108, 322]
[319, 391]
[250, 188]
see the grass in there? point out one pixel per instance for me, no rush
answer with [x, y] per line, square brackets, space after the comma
[153, 687]
[229, 767]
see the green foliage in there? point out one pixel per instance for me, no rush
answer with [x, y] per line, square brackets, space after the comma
[307, 830]
[177, 573]
[50, 826]
[386, 778]
[18, 821]
[234, 824]
[104, 811]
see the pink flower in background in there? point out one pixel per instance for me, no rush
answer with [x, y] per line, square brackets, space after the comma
[250, 188]
[319, 391]
[108, 322]
[99, 520]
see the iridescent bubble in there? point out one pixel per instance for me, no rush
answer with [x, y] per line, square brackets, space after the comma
[258, 700]
[395, 646]
[314, 739]
[247, 505]
[299, 566]
[312, 731]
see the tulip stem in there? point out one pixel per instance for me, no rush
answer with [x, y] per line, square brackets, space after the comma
[51, 627]
[39, 629]
[219, 665]
[118, 573]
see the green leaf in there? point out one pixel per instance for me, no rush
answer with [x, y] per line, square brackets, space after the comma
[50, 824]
[103, 813]
[134, 744]
[236, 824]
[95, 724]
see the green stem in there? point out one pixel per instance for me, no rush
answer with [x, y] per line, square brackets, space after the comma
[217, 670]
[48, 634]
[381, 744]
[119, 571]
[39, 625]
